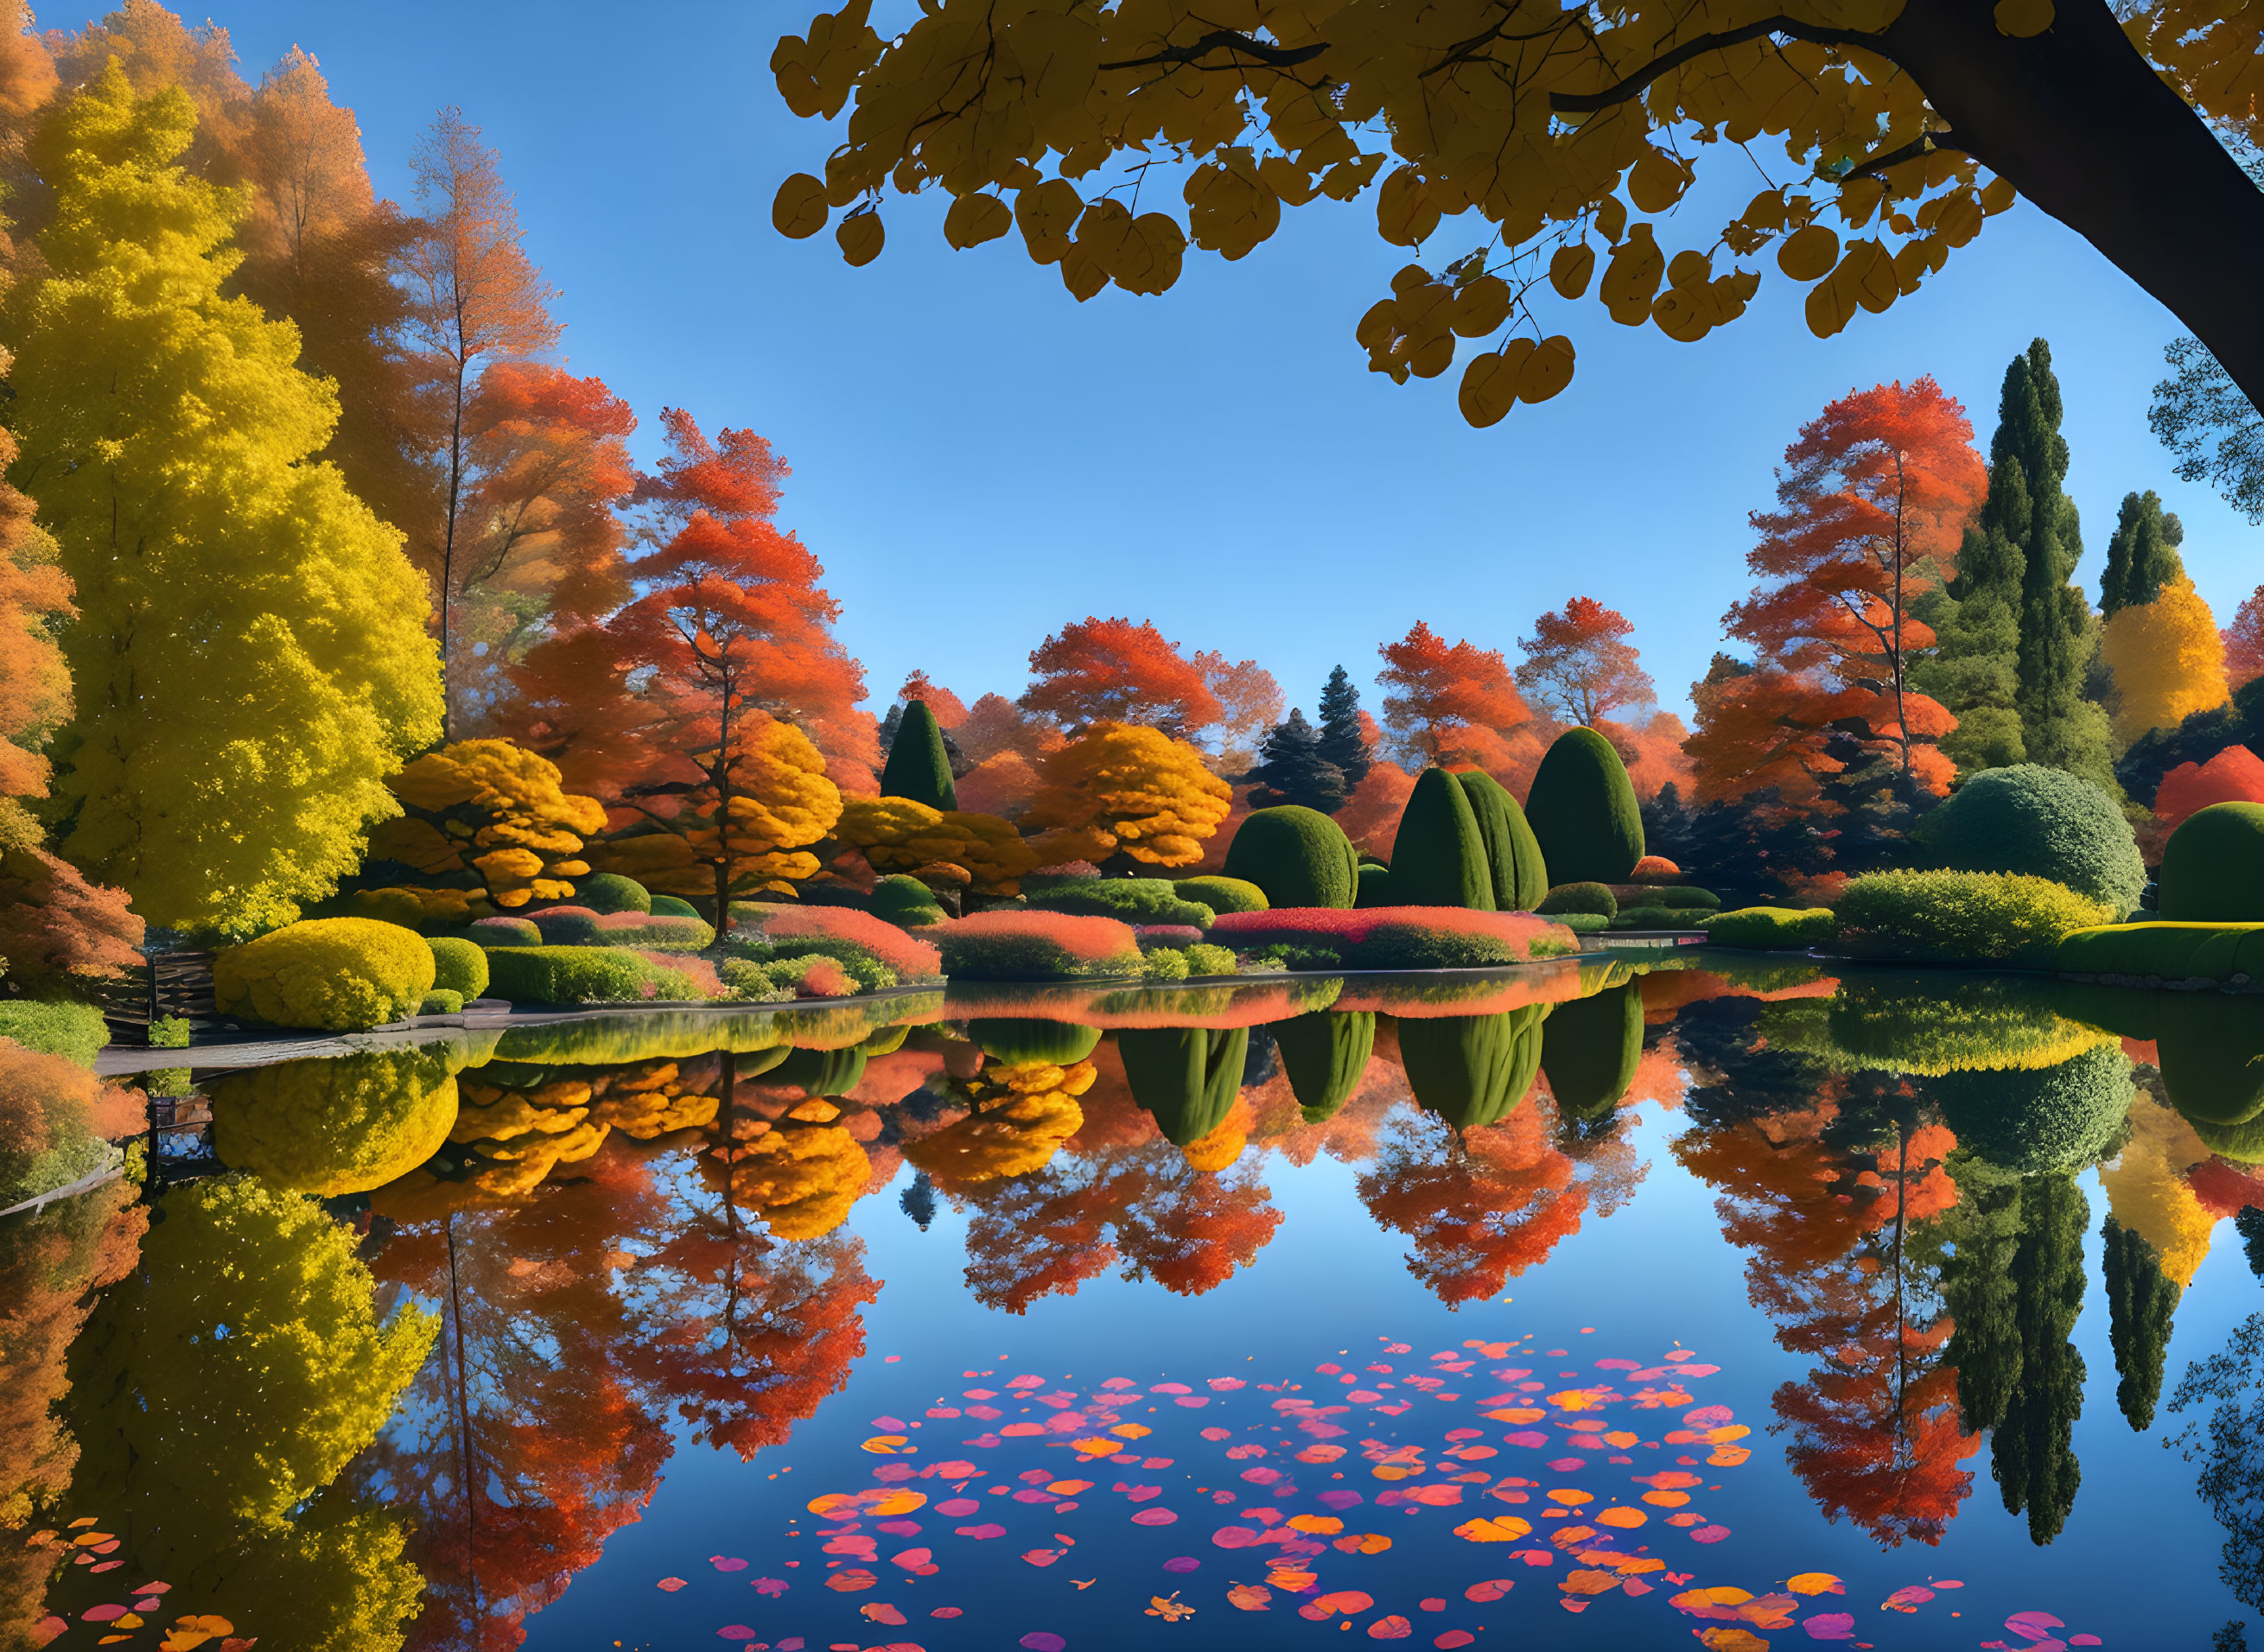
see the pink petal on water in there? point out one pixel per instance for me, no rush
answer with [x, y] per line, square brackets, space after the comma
[1154, 1516]
[1831, 1626]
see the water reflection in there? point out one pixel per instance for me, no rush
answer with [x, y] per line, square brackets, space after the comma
[498, 1285]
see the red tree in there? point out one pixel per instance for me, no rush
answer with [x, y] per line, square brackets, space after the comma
[1456, 705]
[996, 725]
[2234, 775]
[1113, 670]
[2243, 641]
[1579, 665]
[948, 710]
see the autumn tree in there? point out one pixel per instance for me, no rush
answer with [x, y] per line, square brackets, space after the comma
[1455, 704]
[2167, 658]
[487, 818]
[1128, 793]
[2243, 641]
[1370, 815]
[1578, 666]
[948, 710]
[1537, 116]
[1112, 670]
[178, 476]
[1250, 703]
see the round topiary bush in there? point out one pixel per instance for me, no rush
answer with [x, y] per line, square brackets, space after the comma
[1579, 897]
[1325, 1052]
[2059, 1119]
[338, 975]
[1590, 1048]
[1582, 811]
[1297, 856]
[2212, 1049]
[1222, 893]
[2041, 822]
[458, 965]
[906, 902]
[1520, 876]
[672, 906]
[1440, 855]
[610, 892]
[2213, 868]
[1374, 887]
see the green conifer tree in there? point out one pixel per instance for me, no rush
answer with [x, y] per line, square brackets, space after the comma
[2141, 1303]
[1292, 770]
[2143, 555]
[918, 767]
[1341, 741]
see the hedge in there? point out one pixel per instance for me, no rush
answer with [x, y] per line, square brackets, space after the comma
[2213, 865]
[673, 906]
[907, 903]
[1133, 900]
[1579, 897]
[344, 1124]
[458, 967]
[1472, 1070]
[1374, 887]
[2165, 951]
[1223, 894]
[1186, 1077]
[1179, 963]
[2040, 823]
[1520, 875]
[1970, 917]
[441, 1001]
[1009, 945]
[581, 974]
[1771, 928]
[336, 974]
[1022, 1043]
[1401, 937]
[610, 892]
[1296, 857]
[1590, 1048]
[1584, 812]
[2055, 1119]
[655, 932]
[918, 766]
[568, 926]
[2211, 1051]
[1439, 858]
[1682, 897]
[1582, 923]
[75, 1032]
[1654, 917]
[1325, 1054]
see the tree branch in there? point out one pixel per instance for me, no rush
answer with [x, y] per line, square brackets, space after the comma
[1925, 144]
[1570, 103]
[1269, 56]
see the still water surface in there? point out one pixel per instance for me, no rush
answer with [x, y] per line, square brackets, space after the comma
[1587, 1306]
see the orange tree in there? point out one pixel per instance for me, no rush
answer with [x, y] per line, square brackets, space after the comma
[1454, 704]
[1579, 665]
[1571, 131]
[1120, 790]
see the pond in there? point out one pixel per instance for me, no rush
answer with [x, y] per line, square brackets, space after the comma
[1607, 1303]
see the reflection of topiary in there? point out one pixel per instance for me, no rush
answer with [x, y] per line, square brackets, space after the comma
[1590, 1049]
[1186, 1077]
[1018, 1042]
[1583, 810]
[2055, 1119]
[458, 965]
[1294, 856]
[1325, 1054]
[1439, 858]
[1472, 1070]
[2212, 1049]
[2213, 868]
[610, 892]
[340, 974]
[2243, 1143]
[822, 1072]
[918, 767]
[801, 1178]
[1927, 1025]
[1223, 895]
[344, 1125]
[1520, 875]
[1022, 1112]
[2042, 824]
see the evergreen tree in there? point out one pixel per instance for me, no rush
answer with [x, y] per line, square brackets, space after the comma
[2141, 1302]
[1292, 770]
[917, 1201]
[918, 766]
[2142, 557]
[1341, 740]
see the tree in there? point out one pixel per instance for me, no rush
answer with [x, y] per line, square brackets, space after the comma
[2234, 775]
[475, 298]
[1130, 793]
[945, 706]
[485, 817]
[2243, 641]
[1578, 666]
[1250, 703]
[171, 439]
[2213, 428]
[1871, 499]
[2167, 659]
[1344, 737]
[1099, 671]
[1889, 119]
[1455, 704]
[1292, 770]
[918, 767]
[1370, 817]
[2142, 558]
[996, 725]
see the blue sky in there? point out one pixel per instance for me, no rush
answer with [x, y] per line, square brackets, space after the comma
[978, 458]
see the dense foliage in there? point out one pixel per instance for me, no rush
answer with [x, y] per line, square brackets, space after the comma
[2042, 824]
[2213, 867]
[1294, 857]
[339, 975]
[1582, 811]
[1949, 917]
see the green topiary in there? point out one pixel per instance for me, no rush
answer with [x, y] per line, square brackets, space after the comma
[918, 767]
[339, 975]
[1654, 917]
[1325, 1054]
[75, 1032]
[822, 1072]
[1961, 917]
[1472, 1070]
[1521, 877]
[1187, 1078]
[2055, 1119]
[1297, 856]
[2243, 1143]
[610, 892]
[1583, 810]
[458, 967]
[1130, 900]
[1582, 923]
[1681, 898]
[1590, 1048]
[441, 1001]
[2041, 822]
[906, 902]
[2213, 868]
[672, 906]
[1579, 897]
[582, 975]
[1223, 894]
[2212, 1049]
[1021, 1042]
[1439, 856]
[1374, 887]
[1764, 928]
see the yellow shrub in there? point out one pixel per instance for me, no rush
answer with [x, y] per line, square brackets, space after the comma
[896, 834]
[489, 807]
[332, 1126]
[339, 975]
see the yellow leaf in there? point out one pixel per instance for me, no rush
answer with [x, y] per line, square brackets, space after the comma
[1404, 212]
[1546, 371]
[799, 209]
[1808, 254]
[975, 219]
[861, 236]
[1481, 306]
[1490, 383]
[1657, 181]
[1570, 269]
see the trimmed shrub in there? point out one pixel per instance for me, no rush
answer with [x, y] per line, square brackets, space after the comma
[1769, 928]
[1154, 935]
[1325, 1053]
[918, 767]
[905, 901]
[651, 933]
[1654, 869]
[1683, 898]
[1579, 897]
[340, 1125]
[1296, 857]
[2052, 1119]
[504, 932]
[1400, 936]
[847, 934]
[581, 974]
[338, 975]
[1590, 1048]
[1186, 1077]
[1222, 893]
[1961, 917]
[1439, 858]
[1582, 923]
[672, 906]
[458, 967]
[1472, 1070]
[1374, 887]
[2242, 1143]
[1009, 945]
[1520, 876]
[2041, 822]
[1162, 963]
[1583, 810]
[1021, 1043]
[1654, 917]
[2213, 865]
[75, 1032]
[2212, 1055]
[610, 892]
[568, 926]
[2165, 952]
[441, 1001]
[1133, 900]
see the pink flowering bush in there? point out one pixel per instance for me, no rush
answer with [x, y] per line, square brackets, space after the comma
[833, 931]
[1399, 936]
[1006, 946]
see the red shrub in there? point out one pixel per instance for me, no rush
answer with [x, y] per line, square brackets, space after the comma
[911, 959]
[1655, 869]
[1006, 946]
[822, 978]
[705, 981]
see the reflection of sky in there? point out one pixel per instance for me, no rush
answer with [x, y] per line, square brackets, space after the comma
[2135, 1564]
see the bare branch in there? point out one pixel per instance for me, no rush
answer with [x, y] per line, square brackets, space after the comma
[1569, 103]
[1230, 41]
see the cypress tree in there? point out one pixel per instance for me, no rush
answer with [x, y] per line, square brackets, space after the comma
[1521, 877]
[918, 767]
[1341, 741]
[2141, 1302]
[1583, 810]
[1292, 770]
[2142, 557]
[1439, 858]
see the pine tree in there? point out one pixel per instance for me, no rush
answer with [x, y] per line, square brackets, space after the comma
[2141, 557]
[2141, 1302]
[917, 1201]
[918, 767]
[1292, 770]
[1343, 742]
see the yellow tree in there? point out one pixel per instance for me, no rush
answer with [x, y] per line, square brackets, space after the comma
[896, 834]
[483, 814]
[2168, 660]
[250, 656]
[1120, 790]
[1572, 131]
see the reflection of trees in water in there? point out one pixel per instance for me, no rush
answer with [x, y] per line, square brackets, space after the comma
[1738, 1073]
[2141, 1302]
[2229, 1442]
